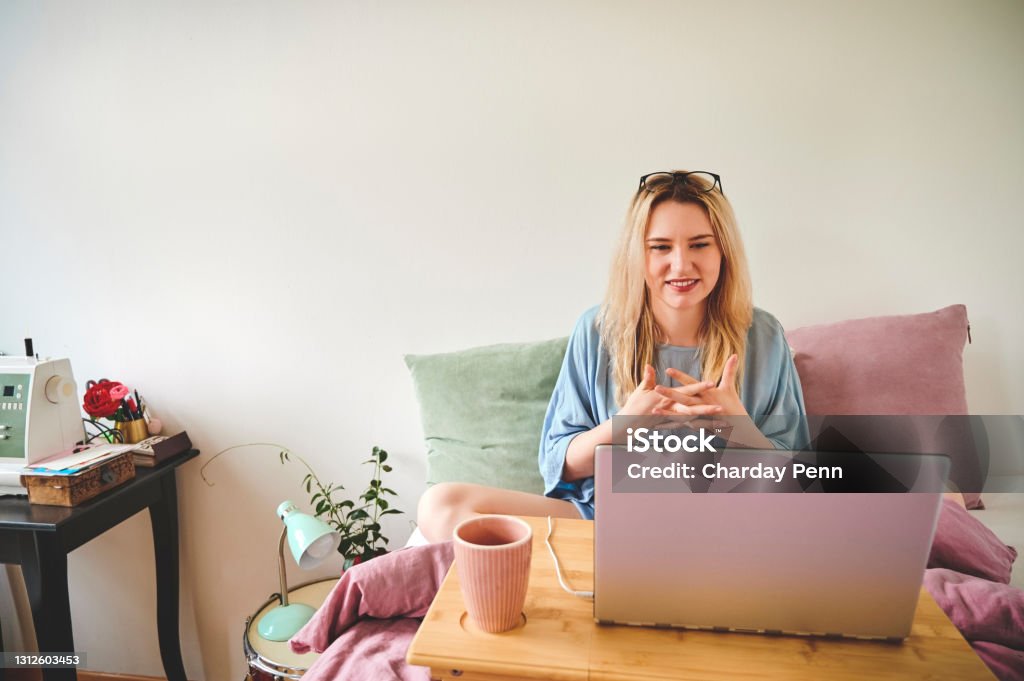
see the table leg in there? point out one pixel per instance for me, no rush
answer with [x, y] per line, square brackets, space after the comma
[45, 569]
[164, 517]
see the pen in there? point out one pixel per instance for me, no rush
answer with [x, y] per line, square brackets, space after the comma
[138, 401]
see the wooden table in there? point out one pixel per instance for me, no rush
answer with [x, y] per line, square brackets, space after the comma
[560, 640]
[39, 538]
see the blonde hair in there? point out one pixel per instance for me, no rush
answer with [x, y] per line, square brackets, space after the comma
[626, 321]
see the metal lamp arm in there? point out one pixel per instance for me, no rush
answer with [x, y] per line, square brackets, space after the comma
[280, 566]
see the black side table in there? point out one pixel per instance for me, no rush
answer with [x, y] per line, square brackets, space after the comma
[39, 538]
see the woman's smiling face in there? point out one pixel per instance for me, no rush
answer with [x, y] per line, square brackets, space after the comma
[683, 257]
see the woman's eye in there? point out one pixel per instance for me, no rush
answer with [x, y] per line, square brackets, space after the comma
[702, 244]
[660, 247]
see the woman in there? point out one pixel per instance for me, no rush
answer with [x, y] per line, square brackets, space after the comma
[677, 334]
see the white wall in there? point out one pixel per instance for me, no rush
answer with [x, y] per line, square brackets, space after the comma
[250, 211]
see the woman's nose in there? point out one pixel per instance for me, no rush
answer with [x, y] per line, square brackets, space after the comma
[681, 261]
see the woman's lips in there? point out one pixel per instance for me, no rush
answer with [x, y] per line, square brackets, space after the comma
[682, 285]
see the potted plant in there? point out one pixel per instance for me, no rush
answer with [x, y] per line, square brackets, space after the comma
[358, 521]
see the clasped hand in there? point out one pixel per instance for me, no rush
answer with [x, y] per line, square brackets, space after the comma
[693, 398]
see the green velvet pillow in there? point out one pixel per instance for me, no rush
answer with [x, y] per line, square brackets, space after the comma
[482, 411]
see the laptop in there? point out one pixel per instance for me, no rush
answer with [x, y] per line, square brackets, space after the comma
[770, 557]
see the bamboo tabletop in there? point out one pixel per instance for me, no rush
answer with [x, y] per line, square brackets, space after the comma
[559, 639]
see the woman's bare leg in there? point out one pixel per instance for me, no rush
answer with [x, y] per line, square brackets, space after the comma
[446, 504]
[956, 497]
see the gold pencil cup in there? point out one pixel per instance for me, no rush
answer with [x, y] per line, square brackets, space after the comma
[133, 431]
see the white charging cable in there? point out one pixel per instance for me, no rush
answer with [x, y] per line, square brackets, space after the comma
[558, 566]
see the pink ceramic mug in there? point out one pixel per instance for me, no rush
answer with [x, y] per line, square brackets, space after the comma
[492, 557]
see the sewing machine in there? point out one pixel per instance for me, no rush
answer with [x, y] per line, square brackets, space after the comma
[39, 415]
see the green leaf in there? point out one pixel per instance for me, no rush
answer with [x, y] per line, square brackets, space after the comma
[381, 504]
[357, 514]
[347, 504]
[387, 469]
[390, 511]
[375, 450]
[383, 456]
[388, 490]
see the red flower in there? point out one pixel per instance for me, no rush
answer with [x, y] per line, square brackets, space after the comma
[98, 402]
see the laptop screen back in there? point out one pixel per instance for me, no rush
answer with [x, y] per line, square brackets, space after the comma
[809, 563]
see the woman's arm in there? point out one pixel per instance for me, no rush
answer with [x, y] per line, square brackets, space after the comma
[579, 457]
[574, 408]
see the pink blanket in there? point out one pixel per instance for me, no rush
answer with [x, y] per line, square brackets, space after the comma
[372, 649]
[969, 570]
[980, 609]
[365, 626]
[990, 615]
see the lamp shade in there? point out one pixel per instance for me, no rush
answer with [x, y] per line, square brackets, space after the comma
[310, 539]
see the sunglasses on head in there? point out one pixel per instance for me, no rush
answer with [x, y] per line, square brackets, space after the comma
[700, 180]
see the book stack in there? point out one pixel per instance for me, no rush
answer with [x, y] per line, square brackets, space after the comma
[153, 450]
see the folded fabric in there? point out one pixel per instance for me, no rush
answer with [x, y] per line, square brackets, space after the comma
[1006, 663]
[980, 609]
[370, 649]
[398, 584]
[963, 543]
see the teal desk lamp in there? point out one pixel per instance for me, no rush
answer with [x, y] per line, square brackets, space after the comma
[310, 540]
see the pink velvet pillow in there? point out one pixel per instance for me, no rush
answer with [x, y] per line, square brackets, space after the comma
[898, 365]
[907, 364]
[963, 543]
